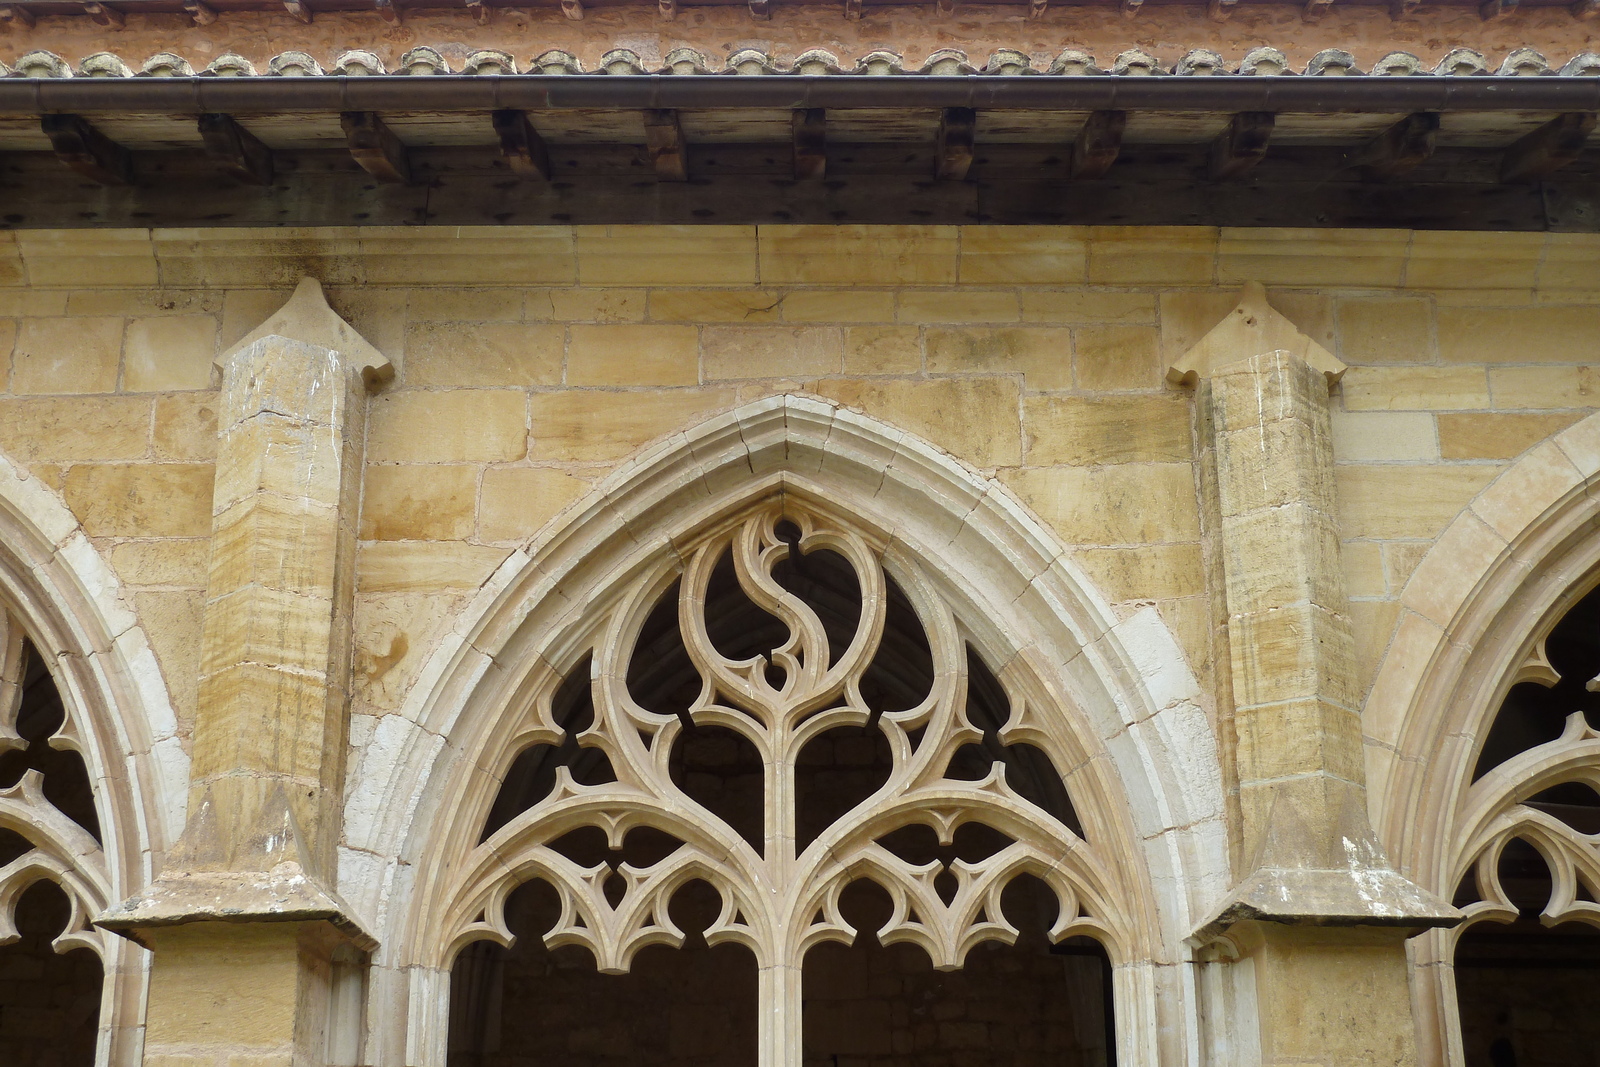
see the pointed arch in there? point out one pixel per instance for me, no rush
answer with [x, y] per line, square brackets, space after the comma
[1473, 619]
[1151, 765]
[59, 593]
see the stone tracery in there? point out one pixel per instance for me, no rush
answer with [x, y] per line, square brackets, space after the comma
[779, 660]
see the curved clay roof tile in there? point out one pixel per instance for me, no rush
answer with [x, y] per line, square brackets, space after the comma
[686, 61]
[165, 65]
[1264, 62]
[1073, 63]
[41, 64]
[489, 61]
[1524, 62]
[294, 65]
[1136, 62]
[1332, 62]
[423, 60]
[1202, 61]
[1462, 62]
[104, 65]
[359, 64]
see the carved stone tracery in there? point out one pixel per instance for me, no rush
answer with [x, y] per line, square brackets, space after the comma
[781, 895]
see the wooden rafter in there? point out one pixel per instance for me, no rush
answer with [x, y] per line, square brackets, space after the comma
[810, 143]
[953, 156]
[375, 148]
[1238, 149]
[663, 135]
[1098, 144]
[1399, 149]
[1549, 148]
[86, 150]
[237, 151]
[524, 150]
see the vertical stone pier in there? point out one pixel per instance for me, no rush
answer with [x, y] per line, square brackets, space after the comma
[243, 921]
[1317, 911]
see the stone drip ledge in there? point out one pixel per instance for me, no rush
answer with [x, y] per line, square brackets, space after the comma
[945, 62]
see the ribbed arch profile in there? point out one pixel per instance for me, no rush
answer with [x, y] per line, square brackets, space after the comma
[793, 568]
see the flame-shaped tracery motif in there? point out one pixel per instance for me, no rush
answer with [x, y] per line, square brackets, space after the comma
[770, 646]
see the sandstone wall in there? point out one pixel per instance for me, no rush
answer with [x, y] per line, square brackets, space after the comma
[530, 361]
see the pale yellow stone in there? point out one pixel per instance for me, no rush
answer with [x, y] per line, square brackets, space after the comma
[185, 426]
[1414, 388]
[1311, 312]
[1127, 504]
[1400, 559]
[960, 305]
[838, 305]
[394, 634]
[1186, 317]
[882, 350]
[144, 302]
[1545, 387]
[67, 429]
[1092, 431]
[424, 566]
[1383, 436]
[1042, 354]
[1447, 576]
[249, 257]
[172, 622]
[1152, 255]
[1088, 305]
[66, 356]
[1544, 477]
[1364, 258]
[591, 426]
[732, 352]
[1362, 563]
[1189, 619]
[218, 988]
[465, 426]
[141, 499]
[633, 355]
[419, 503]
[245, 309]
[859, 255]
[465, 355]
[32, 303]
[1498, 436]
[468, 256]
[1116, 357]
[1149, 572]
[168, 353]
[465, 305]
[516, 501]
[1442, 259]
[8, 343]
[1390, 330]
[82, 258]
[168, 562]
[1542, 334]
[591, 305]
[974, 418]
[1382, 500]
[1023, 255]
[667, 255]
[1571, 261]
[1372, 625]
[715, 305]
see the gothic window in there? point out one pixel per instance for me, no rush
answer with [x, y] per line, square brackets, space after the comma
[53, 875]
[1529, 866]
[778, 806]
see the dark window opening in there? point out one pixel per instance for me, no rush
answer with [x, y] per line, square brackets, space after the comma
[49, 1001]
[65, 781]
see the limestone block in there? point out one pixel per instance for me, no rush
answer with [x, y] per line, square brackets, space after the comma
[185, 426]
[461, 306]
[66, 355]
[419, 503]
[90, 257]
[1187, 316]
[457, 426]
[716, 305]
[1091, 431]
[1116, 357]
[280, 455]
[1087, 306]
[1384, 437]
[633, 355]
[1023, 255]
[1497, 436]
[8, 344]
[1297, 737]
[838, 305]
[974, 418]
[1282, 554]
[1372, 623]
[172, 622]
[1544, 387]
[1272, 465]
[1149, 572]
[1440, 259]
[1042, 355]
[732, 352]
[666, 255]
[591, 305]
[468, 255]
[1510, 505]
[1291, 652]
[395, 634]
[959, 305]
[169, 352]
[1127, 504]
[1568, 262]
[1541, 334]
[1386, 330]
[468, 355]
[424, 566]
[1414, 388]
[141, 499]
[591, 426]
[245, 309]
[166, 562]
[68, 429]
[224, 985]
[517, 501]
[275, 543]
[236, 739]
[882, 350]
[1152, 255]
[1404, 501]
[1362, 564]
[859, 255]
[1400, 559]
[1365, 258]
[250, 257]
[291, 631]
